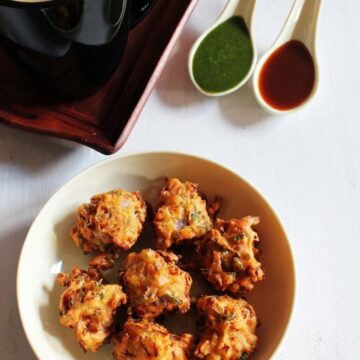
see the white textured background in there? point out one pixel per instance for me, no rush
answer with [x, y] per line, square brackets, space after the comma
[307, 164]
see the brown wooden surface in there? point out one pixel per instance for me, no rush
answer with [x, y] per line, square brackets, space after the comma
[97, 121]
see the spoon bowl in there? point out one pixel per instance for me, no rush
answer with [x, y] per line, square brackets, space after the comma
[301, 25]
[239, 8]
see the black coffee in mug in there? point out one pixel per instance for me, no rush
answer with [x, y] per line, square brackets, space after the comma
[70, 46]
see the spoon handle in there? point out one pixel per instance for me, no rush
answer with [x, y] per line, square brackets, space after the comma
[243, 8]
[301, 23]
[306, 27]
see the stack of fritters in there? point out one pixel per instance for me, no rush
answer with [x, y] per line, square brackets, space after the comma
[154, 284]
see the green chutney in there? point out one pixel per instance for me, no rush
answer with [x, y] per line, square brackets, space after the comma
[224, 57]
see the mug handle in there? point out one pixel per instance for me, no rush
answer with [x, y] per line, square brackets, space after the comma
[139, 9]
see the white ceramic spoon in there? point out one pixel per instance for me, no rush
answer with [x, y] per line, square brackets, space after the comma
[244, 9]
[301, 25]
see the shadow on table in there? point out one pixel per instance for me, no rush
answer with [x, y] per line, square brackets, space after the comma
[31, 151]
[241, 107]
[175, 88]
[13, 343]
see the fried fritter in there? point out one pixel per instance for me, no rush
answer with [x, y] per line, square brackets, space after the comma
[182, 214]
[229, 328]
[103, 261]
[228, 255]
[88, 306]
[144, 340]
[154, 283]
[112, 220]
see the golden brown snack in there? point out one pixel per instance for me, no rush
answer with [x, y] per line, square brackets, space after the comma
[155, 284]
[229, 328]
[88, 306]
[182, 214]
[103, 261]
[111, 220]
[144, 340]
[228, 255]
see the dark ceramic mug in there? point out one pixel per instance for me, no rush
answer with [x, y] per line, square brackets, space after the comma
[70, 46]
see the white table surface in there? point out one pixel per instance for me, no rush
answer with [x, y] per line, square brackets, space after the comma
[307, 164]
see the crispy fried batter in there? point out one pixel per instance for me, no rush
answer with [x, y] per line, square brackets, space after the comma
[103, 261]
[155, 284]
[214, 208]
[144, 340]
[88, 306]
[111, 220]
[229, 328]
[182, 214]
[229, 257]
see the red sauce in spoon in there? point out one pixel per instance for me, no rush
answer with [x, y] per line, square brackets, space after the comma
[288, 76]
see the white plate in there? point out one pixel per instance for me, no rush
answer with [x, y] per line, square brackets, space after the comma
[49, 250]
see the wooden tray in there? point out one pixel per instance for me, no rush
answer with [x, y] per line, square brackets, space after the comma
[104, 120]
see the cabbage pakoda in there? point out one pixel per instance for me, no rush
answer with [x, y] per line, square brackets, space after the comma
[112, 221]
[145, 340]
[229, 328]
[88, 306]
[228, 255]
[154, 283]
[182, 214]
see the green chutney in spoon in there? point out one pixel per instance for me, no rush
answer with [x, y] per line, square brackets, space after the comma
[224, 57]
